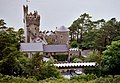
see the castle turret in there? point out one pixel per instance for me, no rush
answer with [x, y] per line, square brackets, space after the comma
[62, 35]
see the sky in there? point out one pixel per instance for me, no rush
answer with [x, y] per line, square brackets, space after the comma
[55, 13]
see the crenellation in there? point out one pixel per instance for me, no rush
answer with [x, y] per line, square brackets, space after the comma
[33, 19]
[25, 9]
[32, 23]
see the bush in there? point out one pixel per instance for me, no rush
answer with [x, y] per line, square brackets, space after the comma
[60, 57]
[12, 79]
[60, 80]
[116, 79]
[74, 44]
[87, 77]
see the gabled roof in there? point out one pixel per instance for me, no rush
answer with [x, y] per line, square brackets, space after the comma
[62, 29]
[55, 48]
[31, 47]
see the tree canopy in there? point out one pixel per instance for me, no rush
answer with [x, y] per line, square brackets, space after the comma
[13, 62]
[94, 34]
[111, 59]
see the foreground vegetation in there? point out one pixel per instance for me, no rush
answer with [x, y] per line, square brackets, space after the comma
[76, 79]
[16, 63]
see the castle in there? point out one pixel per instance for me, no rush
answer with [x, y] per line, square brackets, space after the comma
[33, 33]
[49, 43]
[45, 42]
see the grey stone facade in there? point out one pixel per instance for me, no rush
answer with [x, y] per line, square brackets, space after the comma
[32, 23]
[62, 35]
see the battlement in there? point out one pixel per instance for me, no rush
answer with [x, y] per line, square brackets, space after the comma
[32, 19]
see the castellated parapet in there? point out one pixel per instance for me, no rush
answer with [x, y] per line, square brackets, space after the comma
[32, 23]
[33, 19]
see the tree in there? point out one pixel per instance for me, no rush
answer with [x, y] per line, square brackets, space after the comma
[20, 36]
[111, 59]
[94, 56]
[74, 44]
[42, 70]
[79, 27]
[108, 31]
[91, 37]
[11, 59]
[7, 40]
[2, 24]
[10, 64]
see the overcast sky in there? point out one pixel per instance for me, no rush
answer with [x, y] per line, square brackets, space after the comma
[55, 13]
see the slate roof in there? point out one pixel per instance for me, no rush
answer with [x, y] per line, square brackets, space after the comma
[31, 47]
[55, 48]
[62, 29]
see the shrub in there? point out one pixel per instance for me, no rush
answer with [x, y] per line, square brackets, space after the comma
[60, 57]
[74, 44]
[12, 79]
[87, 77]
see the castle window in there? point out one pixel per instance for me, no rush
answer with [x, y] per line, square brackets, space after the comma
[35, 28]
[61, 37]
[35, 33]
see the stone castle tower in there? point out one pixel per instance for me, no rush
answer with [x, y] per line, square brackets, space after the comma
[62, 35]
[32, 23]
[32, 34]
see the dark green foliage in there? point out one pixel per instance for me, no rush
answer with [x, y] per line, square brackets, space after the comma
[9, 53]
[94, 56]
[95, 70]
[94, 34]
[74, 44]
[111, 59]
[60, 80]
[79, 27]
[42, 70]
[60, 57]
[72, 58]
[7, 40]
[20, 36]
[47, 71]
[12, 79]
[87, 77]
[77, 79]
[13, 62]
[2, 24]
